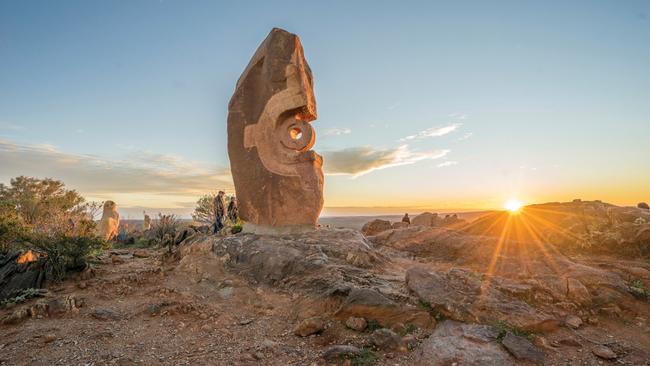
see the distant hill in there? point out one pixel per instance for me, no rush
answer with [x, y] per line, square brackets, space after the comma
[357, 222]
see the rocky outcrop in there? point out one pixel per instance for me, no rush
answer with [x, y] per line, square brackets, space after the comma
[426, 219]
[533, 272]
[460, 295]
[321, 261]
[400, 225]
[278, 178]
[370, 304]
[16, 277]
[643, 205]
[375, 227]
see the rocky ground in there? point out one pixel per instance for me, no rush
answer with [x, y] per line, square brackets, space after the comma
[407, 296]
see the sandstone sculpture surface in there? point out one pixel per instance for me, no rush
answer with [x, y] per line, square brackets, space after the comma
[147, 222]
[278, 178]
[109, 224]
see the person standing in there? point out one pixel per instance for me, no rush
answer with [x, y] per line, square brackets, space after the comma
[406, 219]
[233, 210]
[220, 211]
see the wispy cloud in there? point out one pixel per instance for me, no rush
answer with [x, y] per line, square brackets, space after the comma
[357, 161]
[143, 172]
[458, 116]
[394, 106]
[446, 164]
[337, 131]
[465, 136]
[433, 132]
[11, 127]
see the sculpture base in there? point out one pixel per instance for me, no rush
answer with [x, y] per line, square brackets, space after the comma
[276, 230]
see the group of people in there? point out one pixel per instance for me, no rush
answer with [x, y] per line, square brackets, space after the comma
[222, 211]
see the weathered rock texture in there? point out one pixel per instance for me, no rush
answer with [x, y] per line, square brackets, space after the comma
[375, 227]
[463, 344]
[278, 178]
[110, 222]
[425, 219]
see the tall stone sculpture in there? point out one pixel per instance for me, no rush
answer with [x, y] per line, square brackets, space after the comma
[278, 178]
[146, 225]
[109, 224]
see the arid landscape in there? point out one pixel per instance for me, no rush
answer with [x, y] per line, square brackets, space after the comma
[422, 295]
[336, 183]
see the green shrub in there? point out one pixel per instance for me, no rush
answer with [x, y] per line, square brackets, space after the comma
[408, 329]
[163, 231]
[237, 228]
[373, 325]
[504, 327]
[365, 358]
[66, 253]
[637, 288]
[23, 296]
[12, 228]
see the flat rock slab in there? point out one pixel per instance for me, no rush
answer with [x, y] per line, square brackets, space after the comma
[463, 344]
[320, 260]
[522, 349]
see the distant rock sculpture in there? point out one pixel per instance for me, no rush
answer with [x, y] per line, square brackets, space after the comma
[643, 205]
[278, 178]
[147, 222]
[110, 222]
[427, 219]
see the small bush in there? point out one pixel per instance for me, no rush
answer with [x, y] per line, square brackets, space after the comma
[66, 253]
[373, 325]
[12, 228]
[237, 228]
[408, 329]
[23, 296]
[164, 230]
[637, 288]
[365, 358]
[504, 327]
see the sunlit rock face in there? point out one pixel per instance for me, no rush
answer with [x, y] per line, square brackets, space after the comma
[278, 178]
[110, 222]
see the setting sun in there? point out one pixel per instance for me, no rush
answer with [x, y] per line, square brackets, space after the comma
[513, 205]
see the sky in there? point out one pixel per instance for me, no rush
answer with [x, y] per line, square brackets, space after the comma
[421, 104]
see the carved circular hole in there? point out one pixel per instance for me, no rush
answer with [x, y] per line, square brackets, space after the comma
[295, 133]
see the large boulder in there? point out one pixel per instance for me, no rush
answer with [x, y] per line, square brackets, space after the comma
[375, 227]
[427, 219]
[370, 304]
[643, 205]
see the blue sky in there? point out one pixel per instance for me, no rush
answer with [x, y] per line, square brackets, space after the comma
[536, 100]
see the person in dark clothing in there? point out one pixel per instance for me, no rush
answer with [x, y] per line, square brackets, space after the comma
[233, 210]
[406, 219]
[220, 211]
